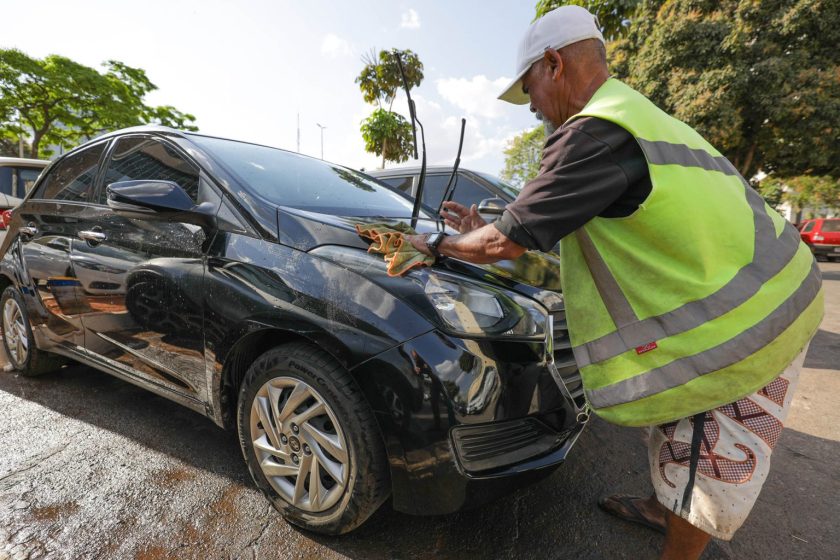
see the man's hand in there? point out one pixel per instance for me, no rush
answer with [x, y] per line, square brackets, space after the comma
[460, 217]
[419, 243]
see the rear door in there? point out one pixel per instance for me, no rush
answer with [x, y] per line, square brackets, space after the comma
[50, 221]
[142, 278]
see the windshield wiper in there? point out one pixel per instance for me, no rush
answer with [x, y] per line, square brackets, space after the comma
[413, 113]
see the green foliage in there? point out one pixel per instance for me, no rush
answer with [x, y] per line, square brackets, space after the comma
[523, 155]
[803, 191]
[56, 101]
[387, 133]
[613, 15]
[380, 79]
[759, 80]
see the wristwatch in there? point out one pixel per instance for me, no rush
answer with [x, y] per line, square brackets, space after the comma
[432, 242]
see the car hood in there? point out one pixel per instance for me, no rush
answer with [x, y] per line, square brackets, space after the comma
[306, 230]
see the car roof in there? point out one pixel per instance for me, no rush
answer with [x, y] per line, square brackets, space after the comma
[24, 162]
[414, 170]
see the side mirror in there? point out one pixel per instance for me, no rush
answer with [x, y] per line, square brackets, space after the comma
[157, 200]
[491, 208]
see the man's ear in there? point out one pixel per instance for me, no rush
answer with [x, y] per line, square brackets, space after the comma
[554, 62]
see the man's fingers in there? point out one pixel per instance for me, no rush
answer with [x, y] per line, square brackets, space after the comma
[457, 208]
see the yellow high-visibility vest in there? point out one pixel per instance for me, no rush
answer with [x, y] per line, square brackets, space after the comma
[702, 296]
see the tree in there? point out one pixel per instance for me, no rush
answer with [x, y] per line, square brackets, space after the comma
[613, 15]
[759, 80]
[523, 155]
[385, 132]
[803, 191]
[56, 101]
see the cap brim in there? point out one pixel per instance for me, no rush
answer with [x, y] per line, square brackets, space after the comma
[513, 92]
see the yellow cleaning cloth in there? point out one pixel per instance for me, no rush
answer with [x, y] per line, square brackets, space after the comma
[388, 240]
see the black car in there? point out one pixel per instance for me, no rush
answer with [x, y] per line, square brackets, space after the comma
[229, 277]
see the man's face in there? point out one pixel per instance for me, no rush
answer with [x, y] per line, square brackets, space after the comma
[542, 87]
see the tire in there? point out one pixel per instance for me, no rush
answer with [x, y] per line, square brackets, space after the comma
[346, 449]
[18, 341]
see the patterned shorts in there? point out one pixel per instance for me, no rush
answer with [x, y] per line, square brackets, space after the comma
[738, 439]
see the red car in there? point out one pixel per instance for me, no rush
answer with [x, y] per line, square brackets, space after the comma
[822, 235]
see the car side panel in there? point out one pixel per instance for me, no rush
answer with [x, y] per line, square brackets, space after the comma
[252, 282]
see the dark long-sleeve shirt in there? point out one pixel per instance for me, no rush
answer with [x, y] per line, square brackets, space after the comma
[590, 167]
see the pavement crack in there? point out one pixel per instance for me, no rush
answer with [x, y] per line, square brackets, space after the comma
[31, 464]
[255, 541]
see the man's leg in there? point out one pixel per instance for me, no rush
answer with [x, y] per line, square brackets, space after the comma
[683, 541]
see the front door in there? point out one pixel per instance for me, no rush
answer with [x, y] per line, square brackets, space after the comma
[50, 219]
[142, 279]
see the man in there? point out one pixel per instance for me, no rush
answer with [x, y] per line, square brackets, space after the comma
[690, 303]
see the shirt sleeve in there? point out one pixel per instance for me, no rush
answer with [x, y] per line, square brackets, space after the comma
[579, 178]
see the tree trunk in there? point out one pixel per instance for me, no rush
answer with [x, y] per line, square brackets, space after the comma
[384, 148]
[748, 162]
[36, 144]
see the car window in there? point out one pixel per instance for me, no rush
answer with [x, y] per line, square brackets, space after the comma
[290, 179]
[830, 226]
[73, 177]
[26, 180]
[808, 227]
[6, 180]
[402, 184]
[467, 191]
[501, 185]
[137, 158]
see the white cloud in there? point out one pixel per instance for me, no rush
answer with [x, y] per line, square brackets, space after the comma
[410, 19]
[477, 96]
[334, 46]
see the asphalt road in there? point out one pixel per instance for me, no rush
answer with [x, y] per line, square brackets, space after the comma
[91, 467]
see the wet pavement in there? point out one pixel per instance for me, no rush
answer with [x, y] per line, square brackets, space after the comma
[92, 467]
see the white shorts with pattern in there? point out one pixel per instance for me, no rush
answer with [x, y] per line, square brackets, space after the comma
[734, 460]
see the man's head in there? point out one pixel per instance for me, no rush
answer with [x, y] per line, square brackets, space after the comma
[561, 61]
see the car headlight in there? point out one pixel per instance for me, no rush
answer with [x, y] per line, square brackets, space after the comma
[472, 309]
[460, 306]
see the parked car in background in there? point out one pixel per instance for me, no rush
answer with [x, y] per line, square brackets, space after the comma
[822, 235]
[230, 278]
[470, 187]
[17, 175]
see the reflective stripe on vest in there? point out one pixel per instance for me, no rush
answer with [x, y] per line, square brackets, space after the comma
[770, 256]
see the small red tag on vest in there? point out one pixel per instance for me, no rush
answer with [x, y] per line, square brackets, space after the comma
[646, 348]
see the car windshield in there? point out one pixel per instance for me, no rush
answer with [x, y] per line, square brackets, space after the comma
[290, 179]
[499, 184]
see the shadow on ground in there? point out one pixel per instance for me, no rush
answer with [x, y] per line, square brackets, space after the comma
[556, 518]
[823, 352]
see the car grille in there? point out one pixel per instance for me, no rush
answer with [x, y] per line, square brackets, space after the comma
[564, 360]
[491, 446]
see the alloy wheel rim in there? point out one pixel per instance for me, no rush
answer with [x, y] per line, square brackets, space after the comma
[299, 444]
[14, 330]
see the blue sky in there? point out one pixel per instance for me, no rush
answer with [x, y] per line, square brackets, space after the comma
[246, 69]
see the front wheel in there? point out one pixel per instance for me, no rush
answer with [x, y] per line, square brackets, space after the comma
[310, 440]
[17, 338]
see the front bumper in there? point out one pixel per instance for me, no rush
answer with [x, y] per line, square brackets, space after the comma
[466, 421]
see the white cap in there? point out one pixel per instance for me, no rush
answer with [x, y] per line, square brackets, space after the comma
[556, 29]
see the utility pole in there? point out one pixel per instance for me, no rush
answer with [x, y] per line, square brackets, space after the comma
[322, 138]
[298, 135]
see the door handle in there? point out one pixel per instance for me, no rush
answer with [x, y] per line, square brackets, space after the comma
[28, 230]
[92, 236]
